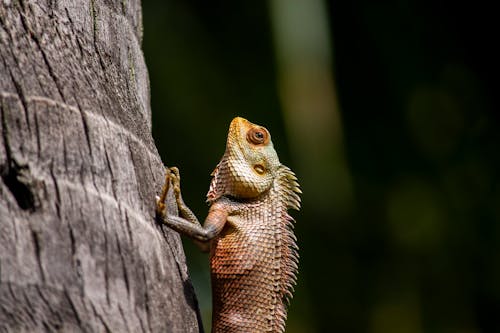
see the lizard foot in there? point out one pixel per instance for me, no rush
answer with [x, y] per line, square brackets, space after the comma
[172, 178]
[175, 178]
[160, 200]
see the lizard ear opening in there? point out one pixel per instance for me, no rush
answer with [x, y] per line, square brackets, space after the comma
[259, 168]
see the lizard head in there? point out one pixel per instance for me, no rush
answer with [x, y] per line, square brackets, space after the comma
[249, 164]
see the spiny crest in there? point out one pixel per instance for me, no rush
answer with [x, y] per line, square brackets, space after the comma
[289, 193]
[290, 188]
[215, 190]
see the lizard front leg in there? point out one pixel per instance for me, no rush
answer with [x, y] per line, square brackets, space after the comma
[187, 223]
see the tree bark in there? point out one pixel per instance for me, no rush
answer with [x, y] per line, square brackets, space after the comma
[79, 246]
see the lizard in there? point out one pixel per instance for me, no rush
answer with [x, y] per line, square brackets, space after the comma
[253, 251]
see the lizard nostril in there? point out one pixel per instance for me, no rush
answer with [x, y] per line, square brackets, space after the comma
[259, 169]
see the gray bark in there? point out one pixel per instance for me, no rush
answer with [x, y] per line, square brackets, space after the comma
[79, 246]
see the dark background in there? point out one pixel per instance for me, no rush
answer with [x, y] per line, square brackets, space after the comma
[407, 239]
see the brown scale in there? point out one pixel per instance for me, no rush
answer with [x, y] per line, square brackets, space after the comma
[253, 264]
[253, 251]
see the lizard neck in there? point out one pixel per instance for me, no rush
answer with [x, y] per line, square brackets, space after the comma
[234, 177]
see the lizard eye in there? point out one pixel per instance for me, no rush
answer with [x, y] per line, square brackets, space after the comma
[258, 136]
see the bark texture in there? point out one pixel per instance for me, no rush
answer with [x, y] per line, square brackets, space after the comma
[79, 246]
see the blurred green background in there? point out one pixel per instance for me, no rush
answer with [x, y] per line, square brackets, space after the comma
[388, 113]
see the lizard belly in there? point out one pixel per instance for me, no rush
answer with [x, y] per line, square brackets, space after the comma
[244, 278]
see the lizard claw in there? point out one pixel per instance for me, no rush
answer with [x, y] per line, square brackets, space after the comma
[175, 171]
[160, 207]
[175, 177]
[160, 200]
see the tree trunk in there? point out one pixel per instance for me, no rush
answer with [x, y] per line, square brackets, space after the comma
[79, 246]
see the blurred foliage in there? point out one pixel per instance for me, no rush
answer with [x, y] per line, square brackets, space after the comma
[411, 123]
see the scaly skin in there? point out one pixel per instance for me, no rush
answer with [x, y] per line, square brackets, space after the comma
[253, 254]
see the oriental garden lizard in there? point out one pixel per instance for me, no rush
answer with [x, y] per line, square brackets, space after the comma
[253, 251]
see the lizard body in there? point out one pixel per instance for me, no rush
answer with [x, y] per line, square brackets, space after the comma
[253, 251]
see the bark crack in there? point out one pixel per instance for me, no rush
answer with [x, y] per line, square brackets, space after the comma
[86, 129]
[113, 180]
[38, 253]
[73, 308]
[72, 25]
[146, 298]
[101, 319]
[65, 155]
[123, 264]
[46, 61]
[5, 134]
[31, 311]
[37, 135]
[72, 240]
[58, 194]
[54, 312]
[106, 249]
[16, 84]
[127, 223]
[22, 98]
[124, 317]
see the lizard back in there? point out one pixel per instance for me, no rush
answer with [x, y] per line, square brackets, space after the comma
[254, 260]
